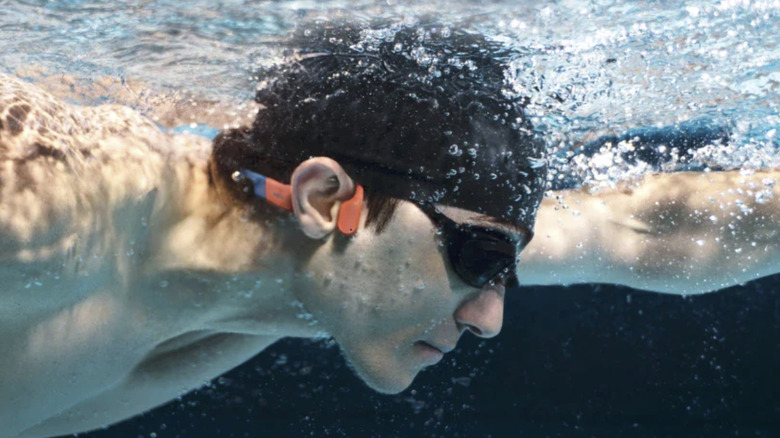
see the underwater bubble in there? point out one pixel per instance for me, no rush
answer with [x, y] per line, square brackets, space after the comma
[462, 381]
[536, 162]
[700, 242]
[493, 176]
[455, 150]
[744, 208]
[305, 316]
[421, 56]
[763, 197]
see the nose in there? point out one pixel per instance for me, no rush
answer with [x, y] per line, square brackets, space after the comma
[483, 314]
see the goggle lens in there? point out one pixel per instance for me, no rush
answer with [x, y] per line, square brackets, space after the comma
[477, 254]
[480, 258]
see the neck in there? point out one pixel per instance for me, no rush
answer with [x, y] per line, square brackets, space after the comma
[217, 259]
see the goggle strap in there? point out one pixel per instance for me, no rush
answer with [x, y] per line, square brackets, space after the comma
[280, 195]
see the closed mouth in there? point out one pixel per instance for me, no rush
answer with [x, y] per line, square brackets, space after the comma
[441, 349]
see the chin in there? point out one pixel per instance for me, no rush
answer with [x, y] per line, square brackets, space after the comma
[383, 376]
[388, 386]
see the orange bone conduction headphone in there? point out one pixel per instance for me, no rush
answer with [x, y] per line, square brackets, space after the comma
[280, 195]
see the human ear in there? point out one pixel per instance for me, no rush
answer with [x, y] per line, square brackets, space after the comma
[319, 186]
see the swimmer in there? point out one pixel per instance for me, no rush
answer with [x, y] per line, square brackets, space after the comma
[369, 201]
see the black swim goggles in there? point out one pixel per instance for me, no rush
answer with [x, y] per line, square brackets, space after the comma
[476, 253]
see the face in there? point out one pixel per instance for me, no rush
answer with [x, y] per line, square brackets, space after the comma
[393, 302]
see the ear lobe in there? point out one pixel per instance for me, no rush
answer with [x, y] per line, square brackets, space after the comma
[319, 186]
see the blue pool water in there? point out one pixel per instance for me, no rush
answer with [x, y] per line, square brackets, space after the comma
[597, 360]
[590, 67]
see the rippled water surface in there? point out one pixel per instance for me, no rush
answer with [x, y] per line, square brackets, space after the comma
[589, 67]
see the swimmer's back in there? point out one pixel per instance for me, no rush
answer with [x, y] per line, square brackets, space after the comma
[79, 187]
[68, 171]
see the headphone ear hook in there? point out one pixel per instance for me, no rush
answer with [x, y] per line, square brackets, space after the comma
[349, 212]
[280, 195]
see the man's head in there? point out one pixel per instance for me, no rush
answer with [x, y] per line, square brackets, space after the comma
[422, 118]
[420, 112]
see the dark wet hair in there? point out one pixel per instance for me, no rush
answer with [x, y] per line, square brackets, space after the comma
[417, 112]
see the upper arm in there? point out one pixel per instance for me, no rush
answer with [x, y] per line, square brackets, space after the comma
[687, 232]
[162, 377]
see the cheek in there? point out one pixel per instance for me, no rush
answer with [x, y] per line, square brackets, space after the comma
[392, 282]
[426, 267]
[379, 285]
[413, 267]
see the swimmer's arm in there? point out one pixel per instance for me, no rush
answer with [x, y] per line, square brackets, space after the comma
[162, 377]
[681, 233]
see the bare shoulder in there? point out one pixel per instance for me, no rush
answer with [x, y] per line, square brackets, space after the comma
[68, 171]
[35, 123]
[85, 194]
[78, 187]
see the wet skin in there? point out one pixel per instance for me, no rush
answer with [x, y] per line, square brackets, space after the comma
[392, 301]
